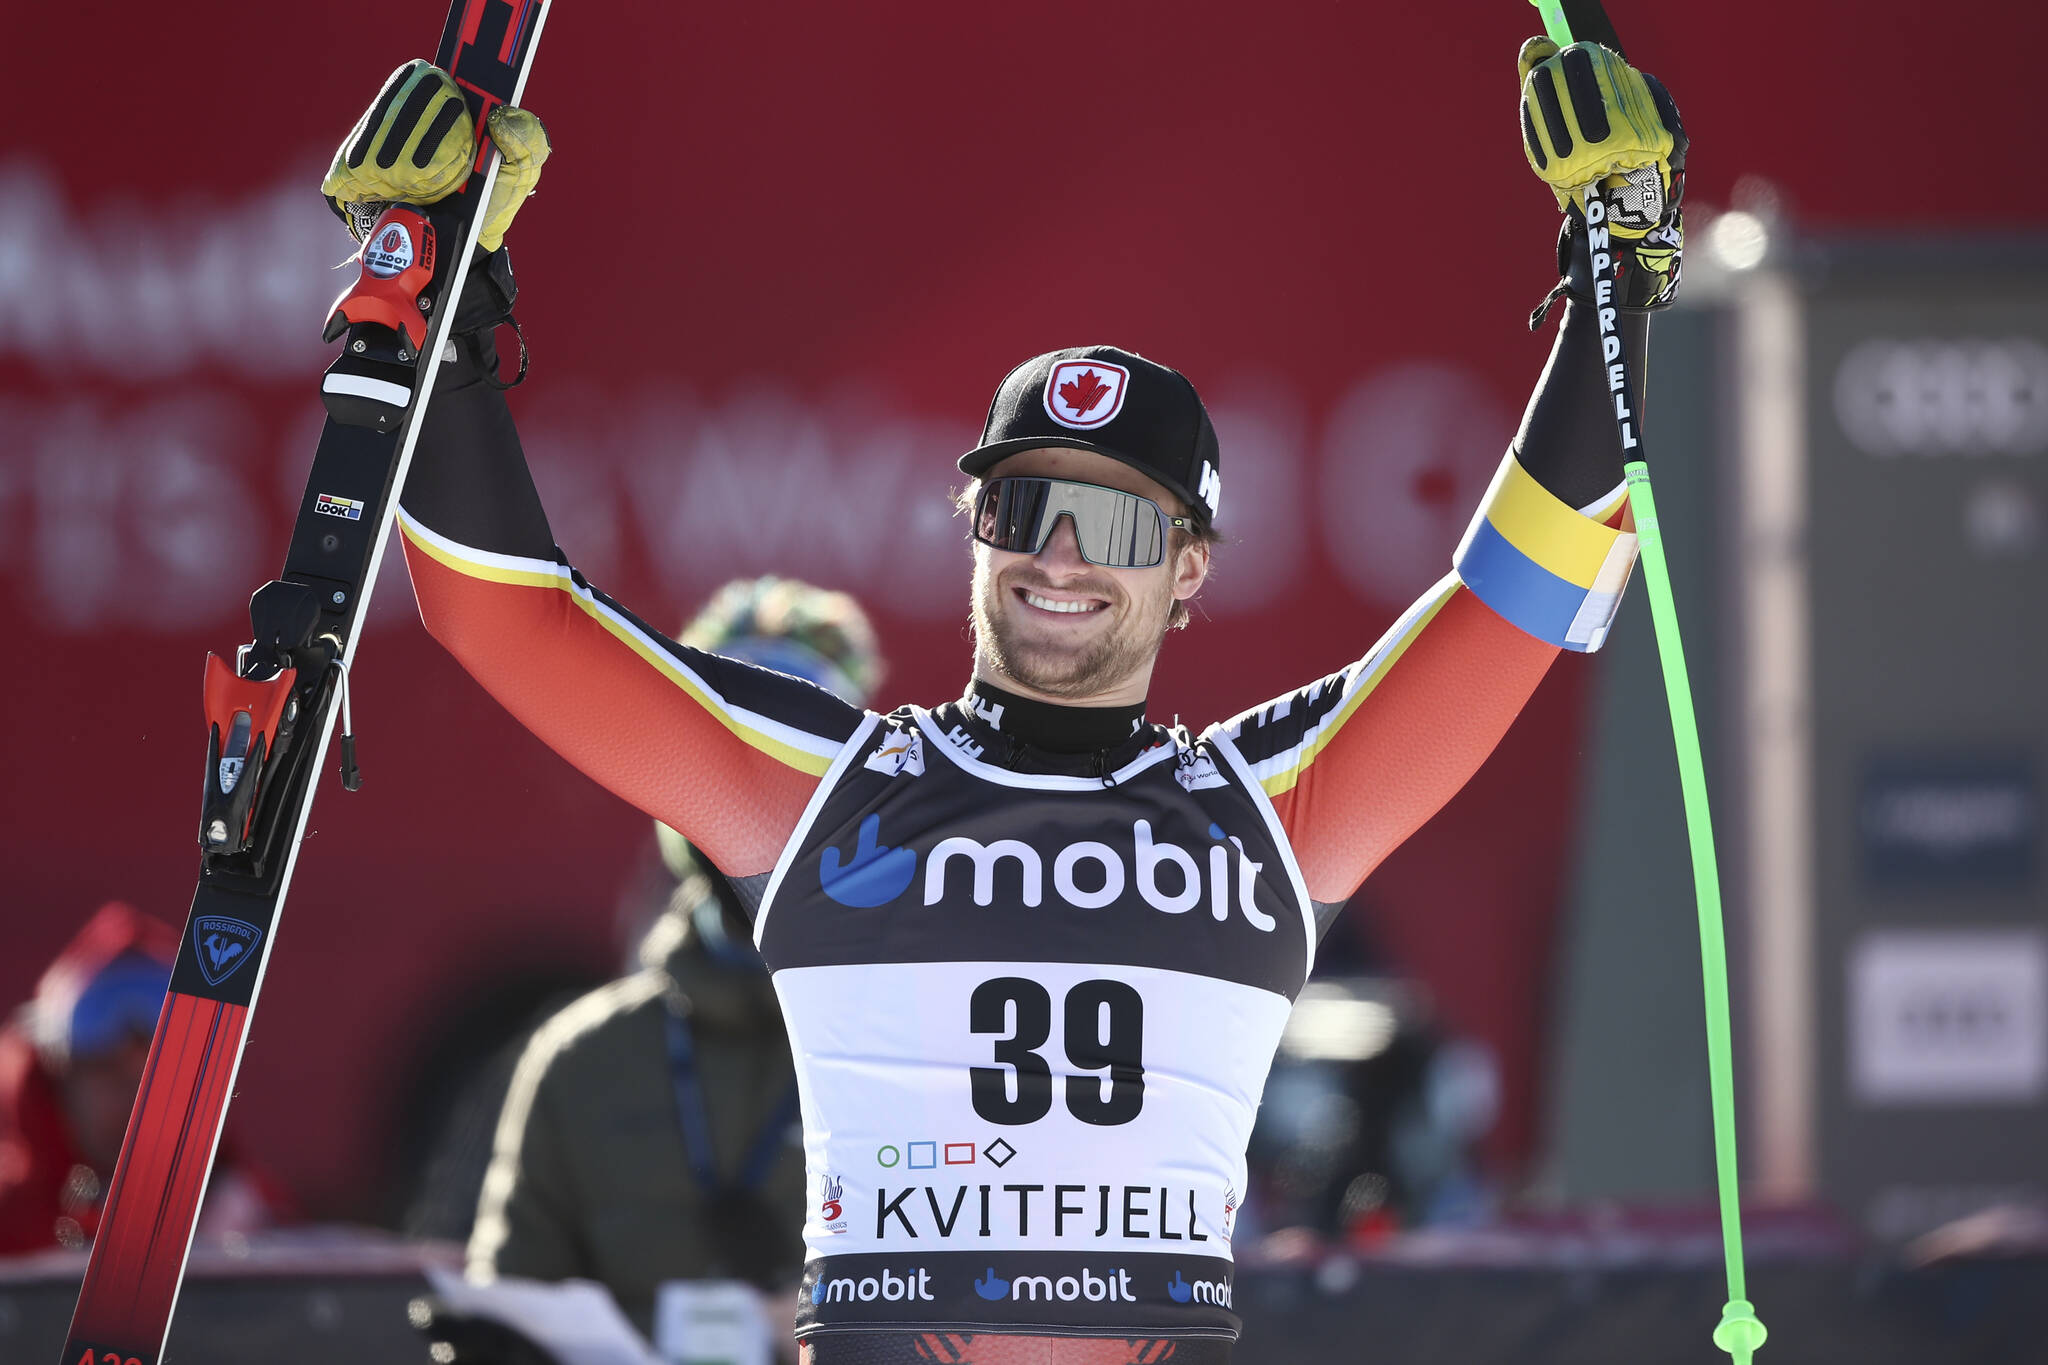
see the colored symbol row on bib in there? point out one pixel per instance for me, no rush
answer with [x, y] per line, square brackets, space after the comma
[928, 1156]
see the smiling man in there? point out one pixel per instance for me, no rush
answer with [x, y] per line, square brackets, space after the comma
[1096, 536]
[1035, 949]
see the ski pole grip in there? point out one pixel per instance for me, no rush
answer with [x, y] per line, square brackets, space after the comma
[1588, 20]
[1568, 21]
[1554, 25]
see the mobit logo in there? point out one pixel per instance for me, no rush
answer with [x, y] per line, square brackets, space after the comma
[911, 1285]
[1111, 1286]
[1086, 874]
[1181, 1290]
[875, 875]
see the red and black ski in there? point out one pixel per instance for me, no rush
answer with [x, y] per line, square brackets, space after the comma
[271, 713]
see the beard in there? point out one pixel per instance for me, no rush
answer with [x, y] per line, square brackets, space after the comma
[1078, 669]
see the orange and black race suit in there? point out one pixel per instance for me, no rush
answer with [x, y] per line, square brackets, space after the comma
[1322, 783]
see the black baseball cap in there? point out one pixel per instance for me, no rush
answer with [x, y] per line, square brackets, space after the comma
[1115, 403]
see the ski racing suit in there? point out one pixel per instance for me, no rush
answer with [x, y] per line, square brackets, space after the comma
[1035, 960]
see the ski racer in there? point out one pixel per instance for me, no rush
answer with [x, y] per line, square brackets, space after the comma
[1033, 948]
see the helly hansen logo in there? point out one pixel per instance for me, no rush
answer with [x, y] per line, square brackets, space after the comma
[1085, 394]
[1086, 875]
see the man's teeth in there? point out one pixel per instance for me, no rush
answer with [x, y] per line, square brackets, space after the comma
[1047, 604]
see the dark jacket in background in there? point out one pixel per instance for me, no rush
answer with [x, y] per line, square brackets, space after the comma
[590, 1177]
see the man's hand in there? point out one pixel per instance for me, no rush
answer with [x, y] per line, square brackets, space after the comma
[1587, 117]
[413, 145]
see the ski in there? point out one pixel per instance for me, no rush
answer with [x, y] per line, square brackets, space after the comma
[271, 713]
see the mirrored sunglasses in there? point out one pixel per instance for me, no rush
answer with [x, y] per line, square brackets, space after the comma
[1117, 530]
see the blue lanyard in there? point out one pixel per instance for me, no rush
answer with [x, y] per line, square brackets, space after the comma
[696, 1117]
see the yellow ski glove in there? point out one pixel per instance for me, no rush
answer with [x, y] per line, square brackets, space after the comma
[414, 145]
[1588, 115]
[522, 150]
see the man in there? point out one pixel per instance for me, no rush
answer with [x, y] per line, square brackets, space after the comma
[1034, 950]
[647, 1136]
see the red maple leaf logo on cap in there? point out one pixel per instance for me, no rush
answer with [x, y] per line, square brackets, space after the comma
[1083, 392]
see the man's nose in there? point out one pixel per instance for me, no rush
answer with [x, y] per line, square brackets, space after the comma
[1061, 552]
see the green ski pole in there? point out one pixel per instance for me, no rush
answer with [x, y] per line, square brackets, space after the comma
[1554, 25]
[1739, 1332]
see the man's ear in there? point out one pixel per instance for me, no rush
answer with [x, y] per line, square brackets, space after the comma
[1190, 569]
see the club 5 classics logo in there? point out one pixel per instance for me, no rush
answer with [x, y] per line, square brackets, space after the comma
[877, 874]
[831, 1203]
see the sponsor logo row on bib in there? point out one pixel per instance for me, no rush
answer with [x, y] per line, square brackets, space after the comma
[1114, 1285]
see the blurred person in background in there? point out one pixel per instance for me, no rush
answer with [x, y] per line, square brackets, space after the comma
[70, 1062]
[651, 1133]
[1373, 1111]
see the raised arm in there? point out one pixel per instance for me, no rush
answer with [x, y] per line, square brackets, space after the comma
[722, 751]
[725, 753]
[1357, 761]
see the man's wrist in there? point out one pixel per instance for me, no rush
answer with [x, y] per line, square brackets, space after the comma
[488, 293]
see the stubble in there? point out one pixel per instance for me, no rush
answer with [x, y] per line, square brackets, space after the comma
[1082, 670]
